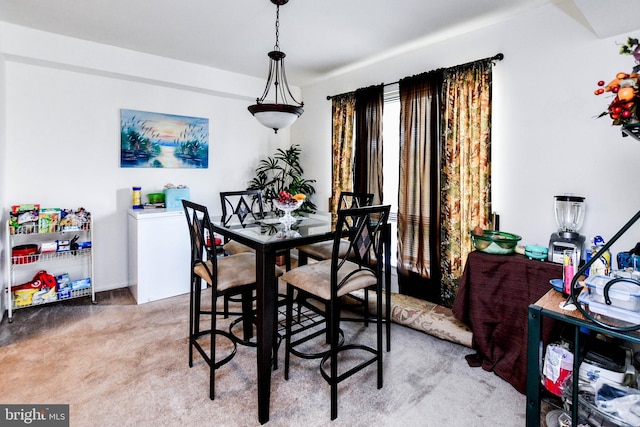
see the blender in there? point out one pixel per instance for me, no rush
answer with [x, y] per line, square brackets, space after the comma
[569, 210]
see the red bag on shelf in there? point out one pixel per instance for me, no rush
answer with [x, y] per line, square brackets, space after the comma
[41, 280]
[557, 368]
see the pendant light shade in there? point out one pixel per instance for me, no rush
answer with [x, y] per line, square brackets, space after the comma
[276, 116]
[285, 110]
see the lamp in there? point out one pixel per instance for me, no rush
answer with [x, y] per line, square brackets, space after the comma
[277, 115]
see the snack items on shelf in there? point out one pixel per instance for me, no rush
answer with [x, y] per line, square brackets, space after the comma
[48, 220]
[24, 217]
[30, 218]
[42, 288]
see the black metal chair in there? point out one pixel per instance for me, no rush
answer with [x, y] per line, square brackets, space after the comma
[243, 204]
[248, 204]
[230, 275]
[322, 250]
[329, 280]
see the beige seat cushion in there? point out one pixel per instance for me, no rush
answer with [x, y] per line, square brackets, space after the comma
[323, 250]
[234, 247]
[316, 278]
[233, 270]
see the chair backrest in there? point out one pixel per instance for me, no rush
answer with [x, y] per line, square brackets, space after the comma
[242, 203]
[365, 228]
[350, 199]
[198, 221]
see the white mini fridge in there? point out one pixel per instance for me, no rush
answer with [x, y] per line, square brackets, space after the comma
[159, 254]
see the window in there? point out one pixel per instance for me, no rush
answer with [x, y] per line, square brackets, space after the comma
[391, 161]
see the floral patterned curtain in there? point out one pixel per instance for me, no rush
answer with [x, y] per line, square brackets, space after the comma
[343, 116]
[466, 166]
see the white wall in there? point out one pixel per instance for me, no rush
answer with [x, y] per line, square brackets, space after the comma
[546, 140]
[62, 132]
[61, 97]
[3, 173]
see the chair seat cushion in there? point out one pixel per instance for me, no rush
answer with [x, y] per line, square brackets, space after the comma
[323, 250]
[316, 278]
[233, 271]
[234, 247]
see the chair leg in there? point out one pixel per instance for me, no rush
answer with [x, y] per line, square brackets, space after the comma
[195, 313]
[387, 306]
[275, 345]
[379, 351]
[303, 258]
[365, 307]
[191, 320]
[300, 300]
[197, 307]
[288, 322]
[247, 314]
[328, 327]
[226, 306]
[212, 350]
[287, 259]
[334, 325]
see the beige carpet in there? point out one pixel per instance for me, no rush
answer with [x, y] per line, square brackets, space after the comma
[121, 364]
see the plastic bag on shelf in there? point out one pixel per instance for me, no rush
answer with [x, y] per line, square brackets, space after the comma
[622, 403]
[40, 289]
[75, 220]
[589, 411]
[557, 368]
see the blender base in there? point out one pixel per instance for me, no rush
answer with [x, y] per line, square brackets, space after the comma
[558, 243]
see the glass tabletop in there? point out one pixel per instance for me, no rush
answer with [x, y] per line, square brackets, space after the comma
[269, 227]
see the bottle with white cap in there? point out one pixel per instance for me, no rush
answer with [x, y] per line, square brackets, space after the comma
[601, 266]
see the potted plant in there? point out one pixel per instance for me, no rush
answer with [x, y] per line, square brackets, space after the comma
[283, 172]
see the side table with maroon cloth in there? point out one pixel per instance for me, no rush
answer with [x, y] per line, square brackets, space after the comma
[493, 298]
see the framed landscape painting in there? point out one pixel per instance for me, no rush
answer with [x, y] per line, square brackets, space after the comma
[157, 140]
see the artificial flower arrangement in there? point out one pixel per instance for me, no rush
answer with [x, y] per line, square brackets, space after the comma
[625, 88]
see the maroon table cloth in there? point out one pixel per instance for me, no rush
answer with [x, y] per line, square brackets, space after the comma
[494, 295]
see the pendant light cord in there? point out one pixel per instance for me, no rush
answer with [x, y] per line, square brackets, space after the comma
[277, 46]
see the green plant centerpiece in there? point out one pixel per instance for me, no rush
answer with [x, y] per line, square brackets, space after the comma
[283, 172]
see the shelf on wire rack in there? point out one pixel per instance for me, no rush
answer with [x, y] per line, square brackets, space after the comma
[49, 256]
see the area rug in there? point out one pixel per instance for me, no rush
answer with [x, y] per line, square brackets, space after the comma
[430, 318]
[423, 316]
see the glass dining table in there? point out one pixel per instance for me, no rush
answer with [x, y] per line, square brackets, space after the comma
[267, 236]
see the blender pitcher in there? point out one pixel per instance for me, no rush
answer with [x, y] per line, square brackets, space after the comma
[569, 213]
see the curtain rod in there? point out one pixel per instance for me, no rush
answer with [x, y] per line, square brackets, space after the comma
[496, 57]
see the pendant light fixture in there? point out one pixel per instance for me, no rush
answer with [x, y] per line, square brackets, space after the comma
[286, 109]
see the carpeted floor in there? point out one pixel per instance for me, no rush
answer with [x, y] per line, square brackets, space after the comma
[121, 364]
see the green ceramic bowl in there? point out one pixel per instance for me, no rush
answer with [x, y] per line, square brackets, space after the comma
[156, 198]
[495, 242]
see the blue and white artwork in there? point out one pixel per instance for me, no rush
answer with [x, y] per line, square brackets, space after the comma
[157, 140]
